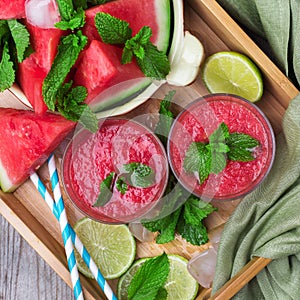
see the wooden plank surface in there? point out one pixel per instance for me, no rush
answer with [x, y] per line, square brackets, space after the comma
[23, 273]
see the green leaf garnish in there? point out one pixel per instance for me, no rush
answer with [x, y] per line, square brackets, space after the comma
[240, 147]
[7, 73]
[212, 157]
[112, 30]
[106, 187]
[166, 118]
[150, 278]
[77, 21]
[68, 51]
[152, 62]
[14, 48]
[198, 160]
[20, 37]
[121, 185]
[70, 105]
[139, 175]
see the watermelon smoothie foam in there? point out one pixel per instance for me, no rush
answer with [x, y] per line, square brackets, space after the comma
[90, 158]
[198, 121]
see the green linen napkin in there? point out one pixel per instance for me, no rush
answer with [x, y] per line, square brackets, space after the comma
[267, 222]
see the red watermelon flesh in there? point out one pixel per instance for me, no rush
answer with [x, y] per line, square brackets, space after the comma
[100, 67]
[33, 70]
[95, 69]
[30, 77]
[44, 42]
[12, 9]
[127, 10]
[27, 139]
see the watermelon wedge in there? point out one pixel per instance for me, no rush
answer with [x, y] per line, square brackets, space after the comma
[27, 139]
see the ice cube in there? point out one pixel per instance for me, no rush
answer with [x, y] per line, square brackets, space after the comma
[141, 233]
[42, 13]
[202, 267]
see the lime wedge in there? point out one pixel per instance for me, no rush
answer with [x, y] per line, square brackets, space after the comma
[112, 247]
[179, 285]
[233, 73]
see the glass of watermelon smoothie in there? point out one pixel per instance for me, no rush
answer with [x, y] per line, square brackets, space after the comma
[128, 159]
[196, 123]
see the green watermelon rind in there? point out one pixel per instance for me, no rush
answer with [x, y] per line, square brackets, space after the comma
[5, 183]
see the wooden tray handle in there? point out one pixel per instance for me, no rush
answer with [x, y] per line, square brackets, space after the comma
[227, 291]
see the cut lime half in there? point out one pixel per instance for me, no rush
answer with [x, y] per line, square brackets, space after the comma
[233, 73]
[112, 247]
[179, 285]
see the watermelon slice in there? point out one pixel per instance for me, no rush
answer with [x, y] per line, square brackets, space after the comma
[12, 9]
[33, 70]
[44, 41]
[27, 139]
[30, 77]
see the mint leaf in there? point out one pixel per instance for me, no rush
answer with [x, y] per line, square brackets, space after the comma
[135, 45]
[166, 118]
[121, 185]
[7, 72]
[218, 162]
[198, 159]
[195, 210]
[151, 61]
[20, 37]
[77, 21]
[165, 226]
[149, 278]
[139, 175]
[68, 51]
[241, 146]
[196, 235]
[220, 134]
[65, 9]
[105, 190]
[155, 63]
[112, 30]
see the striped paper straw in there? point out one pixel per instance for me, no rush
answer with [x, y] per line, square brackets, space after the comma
[78, 244]
[64, 227]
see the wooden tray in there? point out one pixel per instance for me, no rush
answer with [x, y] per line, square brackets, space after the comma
[26, 210]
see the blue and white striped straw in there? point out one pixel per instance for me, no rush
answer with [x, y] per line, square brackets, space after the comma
[75, 239]
[64, 227]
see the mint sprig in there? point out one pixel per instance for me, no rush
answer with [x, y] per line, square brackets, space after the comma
[166, 118]
[153, 62]
[148, 282]
[187, 220]
[106, 187]
[132, 174]
[14, 48]
[112, 30]
[139, 175]
[212, 157]
[70, 104]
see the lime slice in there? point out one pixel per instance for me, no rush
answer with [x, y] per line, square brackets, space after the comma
[179, 285]
[112, 247]
[233, 73]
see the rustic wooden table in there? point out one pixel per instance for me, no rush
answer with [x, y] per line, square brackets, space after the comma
[23, 273]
